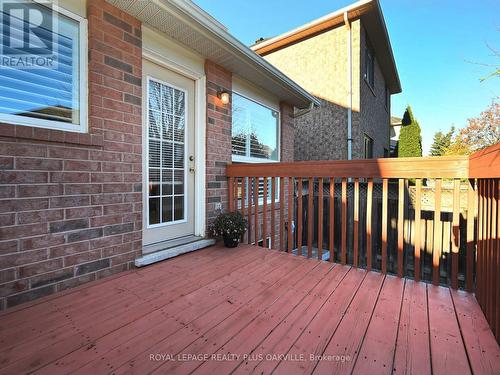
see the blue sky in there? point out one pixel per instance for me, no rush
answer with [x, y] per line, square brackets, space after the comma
[436, 45]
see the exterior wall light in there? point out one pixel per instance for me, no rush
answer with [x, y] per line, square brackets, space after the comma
[223, 95]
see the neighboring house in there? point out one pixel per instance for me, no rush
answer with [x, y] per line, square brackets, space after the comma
[117, 155]
[345, 59]
[396, 124]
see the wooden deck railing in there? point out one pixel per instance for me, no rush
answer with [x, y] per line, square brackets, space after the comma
[372, 214]
[485, 166]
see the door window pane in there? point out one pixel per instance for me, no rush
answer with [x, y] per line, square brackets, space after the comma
[154, 210]
[178, 208]
[166, 209]
[154, 182]
[166, 153]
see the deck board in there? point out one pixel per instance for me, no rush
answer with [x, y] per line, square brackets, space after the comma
[192, 304]
[377, 351]
[249, 310]
[288, 331]
[480, 345]
[135, 355]
[81, 331]
[447, 348]
[412, 354]
[249, 338]
[348, 337]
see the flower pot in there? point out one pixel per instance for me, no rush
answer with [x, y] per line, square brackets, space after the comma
[230, 241]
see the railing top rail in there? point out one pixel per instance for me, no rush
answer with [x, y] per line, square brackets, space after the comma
[485, 163]
[428, 167]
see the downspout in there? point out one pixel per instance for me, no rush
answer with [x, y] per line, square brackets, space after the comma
[349, 85]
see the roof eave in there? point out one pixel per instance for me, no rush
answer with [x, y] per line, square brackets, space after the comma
[396, 86]
[357, 10]
[196, 14]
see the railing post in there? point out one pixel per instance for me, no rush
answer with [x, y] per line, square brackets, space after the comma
[385, 194]
[343, 235]
[273, 212]
[256, 212]
[320, 218]
[310, 217]
[264, 214]
[249, 209]
[479, 251]
[471, 217]
[369, 209]
[282, 213]
[230, 188]
[290, 214]
[418, 229]
[401, 205]
[356, 222]
[436, 249]
[299, 216]
[332, 219]
[455, 240]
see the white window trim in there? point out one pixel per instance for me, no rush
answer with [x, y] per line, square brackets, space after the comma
[250, 159]
[83, 73]
[199, 134]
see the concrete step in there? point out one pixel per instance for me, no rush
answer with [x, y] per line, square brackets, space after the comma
[172, 249]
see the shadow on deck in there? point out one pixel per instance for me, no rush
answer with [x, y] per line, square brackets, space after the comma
[244, 310]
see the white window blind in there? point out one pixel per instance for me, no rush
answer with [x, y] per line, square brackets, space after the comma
[45, 96]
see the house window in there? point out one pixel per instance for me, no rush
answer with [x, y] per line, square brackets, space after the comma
[255, 136]
[47, 95]
[369, 66]
[368, 147]
[255, 131]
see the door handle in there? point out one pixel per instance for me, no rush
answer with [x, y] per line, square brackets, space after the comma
[191, 170]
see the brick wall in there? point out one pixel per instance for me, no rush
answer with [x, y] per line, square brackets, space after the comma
[374, 115]
[287, 155]
[71, 204]
[218, 147]
[287, 132]
[322, 133]
[320, 65]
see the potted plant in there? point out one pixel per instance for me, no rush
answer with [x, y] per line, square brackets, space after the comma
[230, 226]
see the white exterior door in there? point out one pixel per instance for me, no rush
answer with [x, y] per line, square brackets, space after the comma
[168, 154]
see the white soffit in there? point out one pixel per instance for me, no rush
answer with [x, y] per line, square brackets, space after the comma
[188, 24]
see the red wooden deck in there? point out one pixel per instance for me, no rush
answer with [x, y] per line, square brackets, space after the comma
[249, 310]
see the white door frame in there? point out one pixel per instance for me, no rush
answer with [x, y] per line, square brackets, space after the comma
[199, 133]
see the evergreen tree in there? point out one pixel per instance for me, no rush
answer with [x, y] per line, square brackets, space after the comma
[410, 138]
[437, 143]
[441, 142]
